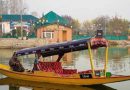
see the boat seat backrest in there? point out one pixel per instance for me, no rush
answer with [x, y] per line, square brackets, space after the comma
[84, 72]
[69, 71]
[45, 66]
[90, 71]
[50, 67]
[55, 67]
[58, 68]
[39, 66]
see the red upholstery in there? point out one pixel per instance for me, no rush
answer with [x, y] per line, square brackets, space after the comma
[45, 66]
[69, 71]
[57, 67]
[84, 72]
[88, 71]
[50, 66]
[54, 67]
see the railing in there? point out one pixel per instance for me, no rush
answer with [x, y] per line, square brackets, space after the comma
[76, 37]
[9, 36]
[112, 37]
[108, 37]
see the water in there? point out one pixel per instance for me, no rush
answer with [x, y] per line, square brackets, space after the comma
[119, 63]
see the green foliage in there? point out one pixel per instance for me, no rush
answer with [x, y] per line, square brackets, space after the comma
[14, 33]
[17, 33]
[24, 33]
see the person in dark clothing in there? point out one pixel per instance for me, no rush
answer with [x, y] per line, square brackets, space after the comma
[36, 61]
[35, 68]
[15, 64]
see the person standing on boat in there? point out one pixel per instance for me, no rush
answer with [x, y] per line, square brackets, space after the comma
[15, 64]
[38, 58]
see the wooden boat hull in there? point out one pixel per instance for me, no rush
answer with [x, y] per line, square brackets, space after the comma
[46, 86]
[59, 80]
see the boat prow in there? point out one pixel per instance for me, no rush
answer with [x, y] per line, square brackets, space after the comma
[4, 67]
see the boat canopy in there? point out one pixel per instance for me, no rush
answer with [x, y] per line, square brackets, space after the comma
[65, 47]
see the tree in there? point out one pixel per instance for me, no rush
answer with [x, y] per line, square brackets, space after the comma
[87, 28]
[4, 6]
[118, 26]
[14, 33]
[69, 18]
[101, 23]
[17, 32]
[74, 23]
[11, 6]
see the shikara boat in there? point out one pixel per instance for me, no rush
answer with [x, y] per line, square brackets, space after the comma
[52, 72]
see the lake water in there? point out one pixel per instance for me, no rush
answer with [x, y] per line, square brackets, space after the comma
[119, 63]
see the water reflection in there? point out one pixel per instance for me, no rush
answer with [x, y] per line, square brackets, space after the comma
[15, 84]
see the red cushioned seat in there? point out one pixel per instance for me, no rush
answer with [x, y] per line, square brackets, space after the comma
[84, 72]
[54, 67]
[89, 71]
[39, 66]
[58, 68]
[50, 66]
[45, 66]
[69, 71]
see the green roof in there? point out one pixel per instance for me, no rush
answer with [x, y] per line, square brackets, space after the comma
[52, 17]
[11, 17]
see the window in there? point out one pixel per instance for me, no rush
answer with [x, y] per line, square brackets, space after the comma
[48, 35]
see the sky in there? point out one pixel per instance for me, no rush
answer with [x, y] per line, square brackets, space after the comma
[81, 9]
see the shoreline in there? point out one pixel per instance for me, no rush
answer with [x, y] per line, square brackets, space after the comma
[119, 42]
[12, 43]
